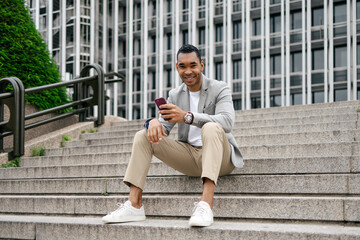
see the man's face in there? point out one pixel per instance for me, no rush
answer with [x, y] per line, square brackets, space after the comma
[189, 68]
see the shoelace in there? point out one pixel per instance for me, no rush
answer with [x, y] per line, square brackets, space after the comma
[121, 208]
[198, 209]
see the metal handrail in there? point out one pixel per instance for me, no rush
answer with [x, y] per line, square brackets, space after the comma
[81, 102]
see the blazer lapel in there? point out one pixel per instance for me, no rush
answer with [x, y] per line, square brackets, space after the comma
[203, 95]
[185, 100]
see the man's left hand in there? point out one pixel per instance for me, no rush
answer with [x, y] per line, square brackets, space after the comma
[172, 113]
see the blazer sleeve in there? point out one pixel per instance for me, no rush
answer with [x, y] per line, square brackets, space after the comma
[167, 125]
[223, 112]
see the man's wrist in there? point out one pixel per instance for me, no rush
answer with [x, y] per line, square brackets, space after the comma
[189, 118]
[146, 124]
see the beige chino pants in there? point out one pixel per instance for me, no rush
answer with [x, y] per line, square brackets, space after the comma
[211, 160]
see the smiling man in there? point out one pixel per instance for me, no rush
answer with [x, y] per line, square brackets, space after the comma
[205, 148]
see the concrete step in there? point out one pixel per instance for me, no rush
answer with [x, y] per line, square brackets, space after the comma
[234, 184]
[76, 159]
[238, 130]
[340, 164]
[304, 208]
[90, 228]
[334, 118]
[256, 151]
[302, 107]
[326, 106]
[297, 113]
[241, 116]
[249, 138]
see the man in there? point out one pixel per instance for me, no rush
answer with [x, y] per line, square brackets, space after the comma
[205, 148]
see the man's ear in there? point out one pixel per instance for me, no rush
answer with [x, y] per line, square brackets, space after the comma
[176, 65]
[202, 65]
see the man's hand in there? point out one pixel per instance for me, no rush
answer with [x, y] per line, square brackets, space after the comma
[155, 131]
[172, 113]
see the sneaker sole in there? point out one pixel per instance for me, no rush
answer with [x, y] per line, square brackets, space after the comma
[132, 219]
[200, 224]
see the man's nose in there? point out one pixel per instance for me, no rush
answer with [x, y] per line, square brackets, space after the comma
[188, 71]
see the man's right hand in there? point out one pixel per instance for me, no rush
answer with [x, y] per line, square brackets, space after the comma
[155, 131]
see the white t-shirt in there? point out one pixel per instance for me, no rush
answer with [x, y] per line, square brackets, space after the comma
[194, 136]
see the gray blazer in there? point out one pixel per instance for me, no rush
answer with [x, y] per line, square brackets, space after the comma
[215, 105]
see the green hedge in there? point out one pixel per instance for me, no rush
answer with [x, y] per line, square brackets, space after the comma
[24, 54]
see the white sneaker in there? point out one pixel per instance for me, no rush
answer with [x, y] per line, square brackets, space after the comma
[125, 213]
[202, 215]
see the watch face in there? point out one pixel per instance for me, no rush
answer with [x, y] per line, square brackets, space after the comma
[188, 118]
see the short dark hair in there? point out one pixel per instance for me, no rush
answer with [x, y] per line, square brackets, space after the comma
[188, 48]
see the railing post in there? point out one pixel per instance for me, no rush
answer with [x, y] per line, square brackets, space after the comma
[98, 87]
[16, 122]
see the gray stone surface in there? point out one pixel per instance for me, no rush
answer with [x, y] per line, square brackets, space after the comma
[17, 229]
[235, 207]
[307, 184]
[251, 138]
[297, 113]
[253, 151]
[352, 209]
[92, 228]
[80, 159]
[338, 164]
[297, 120]
[355, 164]
[301, 163]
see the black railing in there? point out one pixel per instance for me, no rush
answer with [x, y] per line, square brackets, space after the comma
[81, 103]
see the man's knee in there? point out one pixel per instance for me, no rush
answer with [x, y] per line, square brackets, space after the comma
[211, 128]
[140, 136]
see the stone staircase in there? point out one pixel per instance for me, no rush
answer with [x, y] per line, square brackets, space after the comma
[301, 180]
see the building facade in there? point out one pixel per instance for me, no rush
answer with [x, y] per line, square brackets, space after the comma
[269, 52]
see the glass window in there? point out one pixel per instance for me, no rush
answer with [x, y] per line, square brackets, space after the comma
[317, 16]
[296, 62]
[358, 9]
[168, 41]
[237, 69]
[202, 2]
[153, 44]
[275, 101]
[340, 95]
[340, 55]
[339, 12]
[153, 86]
[317, 97]
[185, 4]
[138, 10]
[255, 67]
[237, 30]
[169, 5]
[296, 19]
[218, 71]
[358, 54]
[168, 78]
[237, 104]
[201, 35]
[185, 36]
[318, 59]
[275, 23]
[218, 33]
[237, 87]
[275, 64]
[256, 27]
[255, 102]
[296, 98]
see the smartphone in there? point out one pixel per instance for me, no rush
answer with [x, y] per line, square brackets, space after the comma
[159, 102]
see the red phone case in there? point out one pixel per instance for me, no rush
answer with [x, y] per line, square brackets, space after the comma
[160, 101]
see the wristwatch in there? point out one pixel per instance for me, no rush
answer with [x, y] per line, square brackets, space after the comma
[188, 118]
